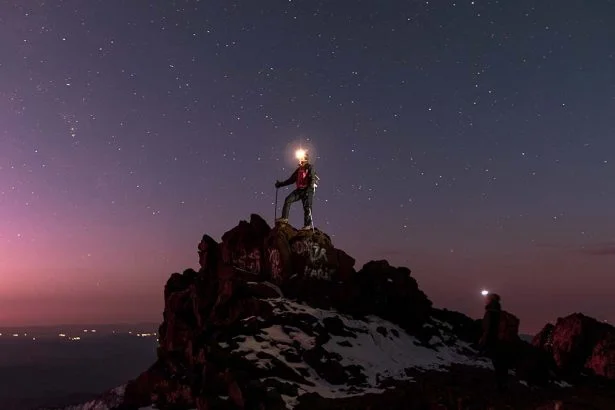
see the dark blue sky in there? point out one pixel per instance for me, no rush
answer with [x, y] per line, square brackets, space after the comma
[470, 141]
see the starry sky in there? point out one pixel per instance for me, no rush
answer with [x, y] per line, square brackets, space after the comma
[472, 141]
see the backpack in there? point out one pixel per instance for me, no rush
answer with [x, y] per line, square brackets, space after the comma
[508, 330]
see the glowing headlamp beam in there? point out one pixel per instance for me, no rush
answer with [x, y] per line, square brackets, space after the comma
[300, 154]
[484, 292]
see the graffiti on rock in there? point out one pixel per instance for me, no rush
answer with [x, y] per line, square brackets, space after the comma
[275, 261]
[316, 255]
[248, 261]
[300, 247]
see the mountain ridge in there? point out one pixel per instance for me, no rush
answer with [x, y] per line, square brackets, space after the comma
[279, 318]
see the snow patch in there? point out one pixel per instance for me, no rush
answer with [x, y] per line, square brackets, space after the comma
[108, 401]
[379, 348]
[562, 384]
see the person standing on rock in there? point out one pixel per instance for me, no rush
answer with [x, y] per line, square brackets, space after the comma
[499, 333]
[305, 180]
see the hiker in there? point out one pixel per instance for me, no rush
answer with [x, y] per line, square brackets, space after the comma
[305, 179]
[500, 331]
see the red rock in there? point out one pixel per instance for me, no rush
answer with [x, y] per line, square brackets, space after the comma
[207, 315]
[602, 359]
[242, 246]
[392, 294]
[233, 390]
[209, 252]
[577, 343]
[264, 290]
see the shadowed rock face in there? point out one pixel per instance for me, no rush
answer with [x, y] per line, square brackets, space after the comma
[274, 314]
[278, 318]
[307, 267]
[580, 343]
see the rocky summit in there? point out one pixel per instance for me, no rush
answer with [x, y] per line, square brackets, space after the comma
[279, 318]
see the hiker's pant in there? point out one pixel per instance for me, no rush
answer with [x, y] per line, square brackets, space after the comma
[304, 195]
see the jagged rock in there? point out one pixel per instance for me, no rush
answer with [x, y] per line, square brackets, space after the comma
[544, 339]
[393, 294]
[209, 253]
[278, 318]
[242, 246]
[232, 332]
[465, 328]
[602, 359]
[577, 343]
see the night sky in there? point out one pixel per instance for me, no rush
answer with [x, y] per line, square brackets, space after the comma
[472, 141]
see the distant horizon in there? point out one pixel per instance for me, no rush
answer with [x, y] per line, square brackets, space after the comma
[153, 294]
[84, 325]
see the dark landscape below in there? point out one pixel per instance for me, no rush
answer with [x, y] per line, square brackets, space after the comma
[40, 368]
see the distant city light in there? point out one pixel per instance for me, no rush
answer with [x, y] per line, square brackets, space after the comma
[62, 335]
[15, 334]
[93, 330]
[75, 338]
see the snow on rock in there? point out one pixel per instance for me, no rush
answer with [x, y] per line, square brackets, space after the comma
[321, 351]
[562, 384]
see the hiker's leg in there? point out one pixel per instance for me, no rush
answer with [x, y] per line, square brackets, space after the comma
[307, 200]
[292, 197]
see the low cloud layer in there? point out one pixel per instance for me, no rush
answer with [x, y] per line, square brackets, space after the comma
[603, 249]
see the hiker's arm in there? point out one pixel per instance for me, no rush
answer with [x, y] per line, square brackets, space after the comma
[313, 179]
[292, 179]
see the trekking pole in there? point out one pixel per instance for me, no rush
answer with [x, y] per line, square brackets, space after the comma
[312, 220]
[311, 216]
[275, 211]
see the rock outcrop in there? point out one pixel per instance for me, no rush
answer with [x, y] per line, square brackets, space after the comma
[578, 344]
[307, 267]
[279, 318]
[277, 314]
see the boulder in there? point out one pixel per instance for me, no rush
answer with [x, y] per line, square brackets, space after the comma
[308, 254]
[578, 343]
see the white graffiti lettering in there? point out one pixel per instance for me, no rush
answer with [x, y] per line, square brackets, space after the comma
[250, 262]
[318, 273]
[316, 255]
